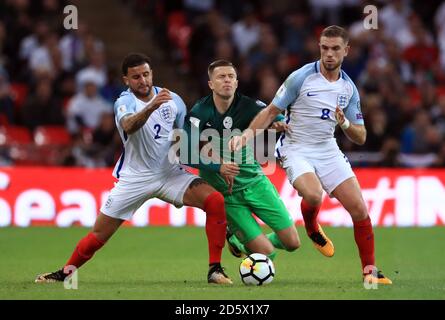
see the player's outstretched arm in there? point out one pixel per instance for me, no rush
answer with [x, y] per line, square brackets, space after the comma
[134, 122]
[355, 132]
[261, 121]
[279, 126]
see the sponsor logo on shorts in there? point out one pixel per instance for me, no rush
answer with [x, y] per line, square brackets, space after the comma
[109, 202]
[290, 173]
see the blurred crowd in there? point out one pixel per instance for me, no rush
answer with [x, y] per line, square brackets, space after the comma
[399, 68]
[53, 83]
[50, 76]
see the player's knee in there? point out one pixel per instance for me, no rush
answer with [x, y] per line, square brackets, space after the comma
[102, 235]
[358, 211]
[214, 204]
[292, 245]
[269, 250]
[265, 248]
[313, 198]
[215, 199]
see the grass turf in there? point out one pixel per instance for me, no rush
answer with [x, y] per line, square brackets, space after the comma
[171, 263]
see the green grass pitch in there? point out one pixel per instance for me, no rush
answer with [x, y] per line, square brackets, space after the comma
[171, 263]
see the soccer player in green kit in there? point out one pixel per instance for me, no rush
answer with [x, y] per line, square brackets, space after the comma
[226, 110]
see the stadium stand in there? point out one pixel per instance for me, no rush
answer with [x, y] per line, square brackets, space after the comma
[399, 68]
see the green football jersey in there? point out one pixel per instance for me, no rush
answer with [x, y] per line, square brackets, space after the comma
[218, 128]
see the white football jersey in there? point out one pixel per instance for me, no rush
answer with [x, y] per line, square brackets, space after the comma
[146, 150]
[310, 101]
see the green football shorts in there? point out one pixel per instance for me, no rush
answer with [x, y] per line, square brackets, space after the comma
[263, 200]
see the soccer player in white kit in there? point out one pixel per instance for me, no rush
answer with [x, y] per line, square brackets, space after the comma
[145, 116]
[317, 97]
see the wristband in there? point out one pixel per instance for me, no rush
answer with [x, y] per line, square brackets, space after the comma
[345, 125]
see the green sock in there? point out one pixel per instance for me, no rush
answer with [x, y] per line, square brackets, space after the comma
[237, 244]
[272, 255]
[273, 237]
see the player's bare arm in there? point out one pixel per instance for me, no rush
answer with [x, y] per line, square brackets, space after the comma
[279, 126]
[134, 122]
[355, 132]
[228, 170]
[261, 121]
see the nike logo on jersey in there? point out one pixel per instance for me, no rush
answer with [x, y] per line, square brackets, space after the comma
[208, 124]
[310, 94]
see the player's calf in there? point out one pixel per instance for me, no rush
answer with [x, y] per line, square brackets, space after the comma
[215, 225]
[292, 246]
[234, 245]
[288, 239]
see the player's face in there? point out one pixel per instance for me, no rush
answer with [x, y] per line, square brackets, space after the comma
[140, 80]
[223, 81]
[332, 51]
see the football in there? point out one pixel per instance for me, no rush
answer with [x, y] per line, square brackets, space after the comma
[257, 269]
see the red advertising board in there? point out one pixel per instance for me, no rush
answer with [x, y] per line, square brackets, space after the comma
[73, 196]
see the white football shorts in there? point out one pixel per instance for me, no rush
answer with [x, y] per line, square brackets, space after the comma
[127, 195]
[331, 166]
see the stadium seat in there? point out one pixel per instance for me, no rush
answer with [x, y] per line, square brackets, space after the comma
[51, 135]
[52, 144]
[177, 26]
[179, 33]
[440, 91]
[19, 93]
[3, 120]
[414, 95]
[14, 135]
[18, 143]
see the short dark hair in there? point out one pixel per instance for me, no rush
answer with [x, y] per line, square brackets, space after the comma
[219, 63]
[335, 31]
[134, 60]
